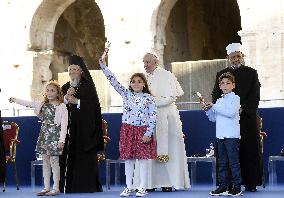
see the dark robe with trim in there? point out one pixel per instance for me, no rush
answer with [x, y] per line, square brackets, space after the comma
[248, 89]
[78, 163]
[2, 154]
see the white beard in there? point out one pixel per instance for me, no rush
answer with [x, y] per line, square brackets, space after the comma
[235, 66]
[74, 83]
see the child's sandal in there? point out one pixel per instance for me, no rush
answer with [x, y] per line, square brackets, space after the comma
[53, 193]
[43, 192]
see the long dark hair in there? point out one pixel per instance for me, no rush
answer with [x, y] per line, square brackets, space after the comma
[142, 76]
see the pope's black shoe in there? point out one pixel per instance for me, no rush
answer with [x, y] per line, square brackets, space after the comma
[167, 189]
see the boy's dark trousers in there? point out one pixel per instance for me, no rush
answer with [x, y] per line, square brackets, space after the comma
[228, 160]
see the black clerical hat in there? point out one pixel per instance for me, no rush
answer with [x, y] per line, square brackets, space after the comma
[78, 60]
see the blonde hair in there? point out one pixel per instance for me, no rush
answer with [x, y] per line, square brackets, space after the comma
[59, 91]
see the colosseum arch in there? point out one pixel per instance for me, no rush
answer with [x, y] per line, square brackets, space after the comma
[44, 22]
[184, 30]
[60, 28]
[187, 31]
[158, 24]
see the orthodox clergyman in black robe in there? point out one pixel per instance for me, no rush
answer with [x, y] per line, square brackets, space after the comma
[78, 163]
[2, 154]
[248, 89]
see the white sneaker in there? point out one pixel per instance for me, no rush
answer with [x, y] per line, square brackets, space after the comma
[126, 192]
[141, 192]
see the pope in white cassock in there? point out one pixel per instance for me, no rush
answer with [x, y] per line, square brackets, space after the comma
[170, 170]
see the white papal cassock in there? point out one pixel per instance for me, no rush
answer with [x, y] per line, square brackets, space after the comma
[170, 143]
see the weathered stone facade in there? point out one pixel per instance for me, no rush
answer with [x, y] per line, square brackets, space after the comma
[38, 35]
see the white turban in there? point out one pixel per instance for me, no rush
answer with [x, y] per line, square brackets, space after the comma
[234, 47]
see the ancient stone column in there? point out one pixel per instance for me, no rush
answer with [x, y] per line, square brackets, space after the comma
[41, 73]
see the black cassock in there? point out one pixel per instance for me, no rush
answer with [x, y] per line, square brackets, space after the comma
[2, 154]
[248, 89]
[78, 163]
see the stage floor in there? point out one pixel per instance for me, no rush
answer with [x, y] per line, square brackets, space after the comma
[200, 191]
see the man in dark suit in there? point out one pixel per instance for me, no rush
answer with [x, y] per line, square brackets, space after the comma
[248, 89]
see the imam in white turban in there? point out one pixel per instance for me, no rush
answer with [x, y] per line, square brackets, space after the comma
[234, 47]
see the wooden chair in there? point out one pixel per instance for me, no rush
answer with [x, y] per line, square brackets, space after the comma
[10, 139]
[102, 156]
[262, 135]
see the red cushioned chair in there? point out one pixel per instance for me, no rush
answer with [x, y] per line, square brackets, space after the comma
[10, 138]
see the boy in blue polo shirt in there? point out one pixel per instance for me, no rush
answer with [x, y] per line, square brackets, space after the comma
[225, 112]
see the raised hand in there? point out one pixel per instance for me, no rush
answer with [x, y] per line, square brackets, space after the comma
[103, 57]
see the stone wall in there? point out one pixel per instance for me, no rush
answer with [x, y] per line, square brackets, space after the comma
[196, 76]
[37, 39]
[80, 30]
[200, 30]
